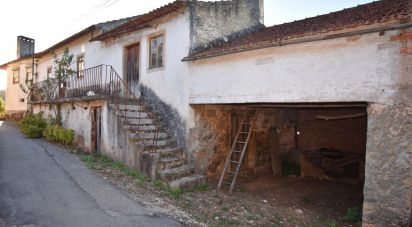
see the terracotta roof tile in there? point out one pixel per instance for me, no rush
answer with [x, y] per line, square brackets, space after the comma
[367, 14]
[142, 20]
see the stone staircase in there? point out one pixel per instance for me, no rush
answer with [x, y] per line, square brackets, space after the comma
[172, 165]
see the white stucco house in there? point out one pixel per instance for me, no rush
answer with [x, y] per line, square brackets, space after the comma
[167, 93]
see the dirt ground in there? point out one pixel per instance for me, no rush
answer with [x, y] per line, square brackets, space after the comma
[266, 201]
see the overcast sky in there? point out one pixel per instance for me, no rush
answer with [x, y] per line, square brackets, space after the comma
[50, 21]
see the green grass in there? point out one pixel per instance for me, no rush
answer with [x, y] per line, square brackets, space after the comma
[140, 179]
[89, 160]
[171, 192]
[202, 187]
[222, 222]
[105, 161]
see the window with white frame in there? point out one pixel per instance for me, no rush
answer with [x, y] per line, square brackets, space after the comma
[16, 76]
[80, 66]
[49, 72]
[29, 76]
[156, 51]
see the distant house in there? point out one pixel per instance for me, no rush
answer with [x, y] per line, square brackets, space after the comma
[196, 90]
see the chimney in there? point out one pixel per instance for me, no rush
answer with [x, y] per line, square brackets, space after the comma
[25, 46]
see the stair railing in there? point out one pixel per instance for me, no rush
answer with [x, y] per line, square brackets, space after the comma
[105, 82]
[121, 94]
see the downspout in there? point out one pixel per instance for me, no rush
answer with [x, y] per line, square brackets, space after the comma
[310, 39]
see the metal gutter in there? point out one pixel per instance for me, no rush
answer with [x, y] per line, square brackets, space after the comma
[309, 39]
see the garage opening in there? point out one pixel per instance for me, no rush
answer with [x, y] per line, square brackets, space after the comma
[305, 157]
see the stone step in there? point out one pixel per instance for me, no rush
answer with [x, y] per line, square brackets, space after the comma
[145, 136]
[169, 163]
[187, 183]
[130, 114]
[134, 121]
[170, 152]
[129, 107]
[148, 144]
[176, 173]
[138, 128]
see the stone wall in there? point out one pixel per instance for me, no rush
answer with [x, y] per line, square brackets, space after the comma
[210, 139]
[217, 21]
[388, 185]
[215, 129]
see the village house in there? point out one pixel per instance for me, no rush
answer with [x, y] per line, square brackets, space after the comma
[203, 90]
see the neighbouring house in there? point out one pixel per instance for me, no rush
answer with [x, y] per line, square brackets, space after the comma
[193, 89]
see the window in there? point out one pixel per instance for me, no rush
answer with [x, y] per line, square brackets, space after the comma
[49, 72]
[29, 76]
[16, 76]
[80, 66]
[156, 51]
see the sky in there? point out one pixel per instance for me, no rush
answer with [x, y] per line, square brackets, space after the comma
[50, 21]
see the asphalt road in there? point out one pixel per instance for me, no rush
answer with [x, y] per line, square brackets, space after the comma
[43, 185]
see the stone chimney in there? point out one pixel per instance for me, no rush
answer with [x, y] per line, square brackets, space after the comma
[25, 46]
[212, 22]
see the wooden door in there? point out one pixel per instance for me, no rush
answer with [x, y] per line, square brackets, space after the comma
[96, 129]
[132, 67]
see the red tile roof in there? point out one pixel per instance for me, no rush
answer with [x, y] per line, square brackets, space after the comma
[367, 14]
[142, 20]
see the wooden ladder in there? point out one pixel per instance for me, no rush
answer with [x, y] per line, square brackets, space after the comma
[237, 152]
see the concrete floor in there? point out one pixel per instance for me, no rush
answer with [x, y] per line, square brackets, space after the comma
[43, 185]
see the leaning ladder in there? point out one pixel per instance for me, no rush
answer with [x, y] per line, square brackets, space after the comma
[237, 152]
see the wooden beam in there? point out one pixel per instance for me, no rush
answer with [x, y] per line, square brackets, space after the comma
[341, 117]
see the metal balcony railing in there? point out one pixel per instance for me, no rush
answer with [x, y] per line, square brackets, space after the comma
[101, 82]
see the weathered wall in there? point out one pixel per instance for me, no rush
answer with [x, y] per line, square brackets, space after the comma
[216, 127]
[388, 185]
[77, 117]
[362, 68]
[169, 83]
[212, 21]
[210, 139]
[373, 68]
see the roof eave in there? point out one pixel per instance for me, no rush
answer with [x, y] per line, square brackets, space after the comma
[303, 40]
[50, 49]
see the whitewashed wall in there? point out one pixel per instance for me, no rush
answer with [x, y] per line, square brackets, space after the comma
[363, 68]
[170, 83]
[76, 47]
[13, 91]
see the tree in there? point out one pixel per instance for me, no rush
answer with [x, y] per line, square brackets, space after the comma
[62, 66]
[50, 87]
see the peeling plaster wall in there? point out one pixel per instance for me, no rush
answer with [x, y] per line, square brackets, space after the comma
[78, 119]
[170, 83]
[373, 68]
[338, 70]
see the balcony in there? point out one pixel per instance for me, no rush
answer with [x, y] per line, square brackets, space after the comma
[96, 83]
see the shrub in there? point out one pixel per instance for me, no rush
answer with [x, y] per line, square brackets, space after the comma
[56, 133]
[33, 125]
[2, 106]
